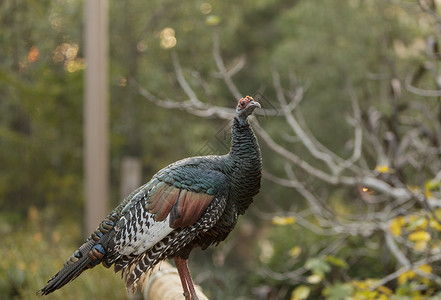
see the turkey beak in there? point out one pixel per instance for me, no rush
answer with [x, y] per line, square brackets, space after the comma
[254, 104]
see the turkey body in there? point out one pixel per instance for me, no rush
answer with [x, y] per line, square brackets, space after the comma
[194, 202]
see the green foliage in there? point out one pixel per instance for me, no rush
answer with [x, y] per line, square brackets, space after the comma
[338, 291]
[34, 250]
[40, 128]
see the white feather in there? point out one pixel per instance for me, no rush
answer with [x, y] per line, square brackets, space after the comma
[144, 235]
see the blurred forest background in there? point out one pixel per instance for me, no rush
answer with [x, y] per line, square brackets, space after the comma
[350, 136]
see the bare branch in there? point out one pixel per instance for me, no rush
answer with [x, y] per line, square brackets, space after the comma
[414, 266]
[238, 66]
[182, 81]
[222, 69]
[292, 157]
[371, 182]
[358, 135]
[304, 138]
[201, 109]
[418, 91]
[399, 255]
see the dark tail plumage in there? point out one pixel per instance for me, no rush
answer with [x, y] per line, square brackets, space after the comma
[90, 254]
[71, 270]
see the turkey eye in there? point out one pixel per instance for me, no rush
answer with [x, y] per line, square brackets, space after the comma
[242, 103]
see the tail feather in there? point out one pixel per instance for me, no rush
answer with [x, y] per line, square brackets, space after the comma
[71, 270]
[90, 254]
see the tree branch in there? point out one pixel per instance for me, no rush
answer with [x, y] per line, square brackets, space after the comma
[414, 267]
[222, 69]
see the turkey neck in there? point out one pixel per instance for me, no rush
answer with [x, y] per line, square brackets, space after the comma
[245, 164]
[243, 142]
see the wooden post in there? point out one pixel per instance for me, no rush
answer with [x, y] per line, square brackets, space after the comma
[164, 284]
[96, 113]
[131, 175]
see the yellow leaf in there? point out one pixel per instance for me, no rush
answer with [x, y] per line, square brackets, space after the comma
[336, 261]
[432, 185]
[396, 225]
[383, 169]
[428, 194]
[420, 245]
[425, 268]
[300, 293]
[405, 277]
[385, 290]
[313, 279]
[295, 251]
[212, 20]
[283, 220]
[419, 235]
[370, 282]
[368, 295]
[435, 225]
[359, 284]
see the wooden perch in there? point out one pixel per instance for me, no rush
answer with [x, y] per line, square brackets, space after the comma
[165, 284]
